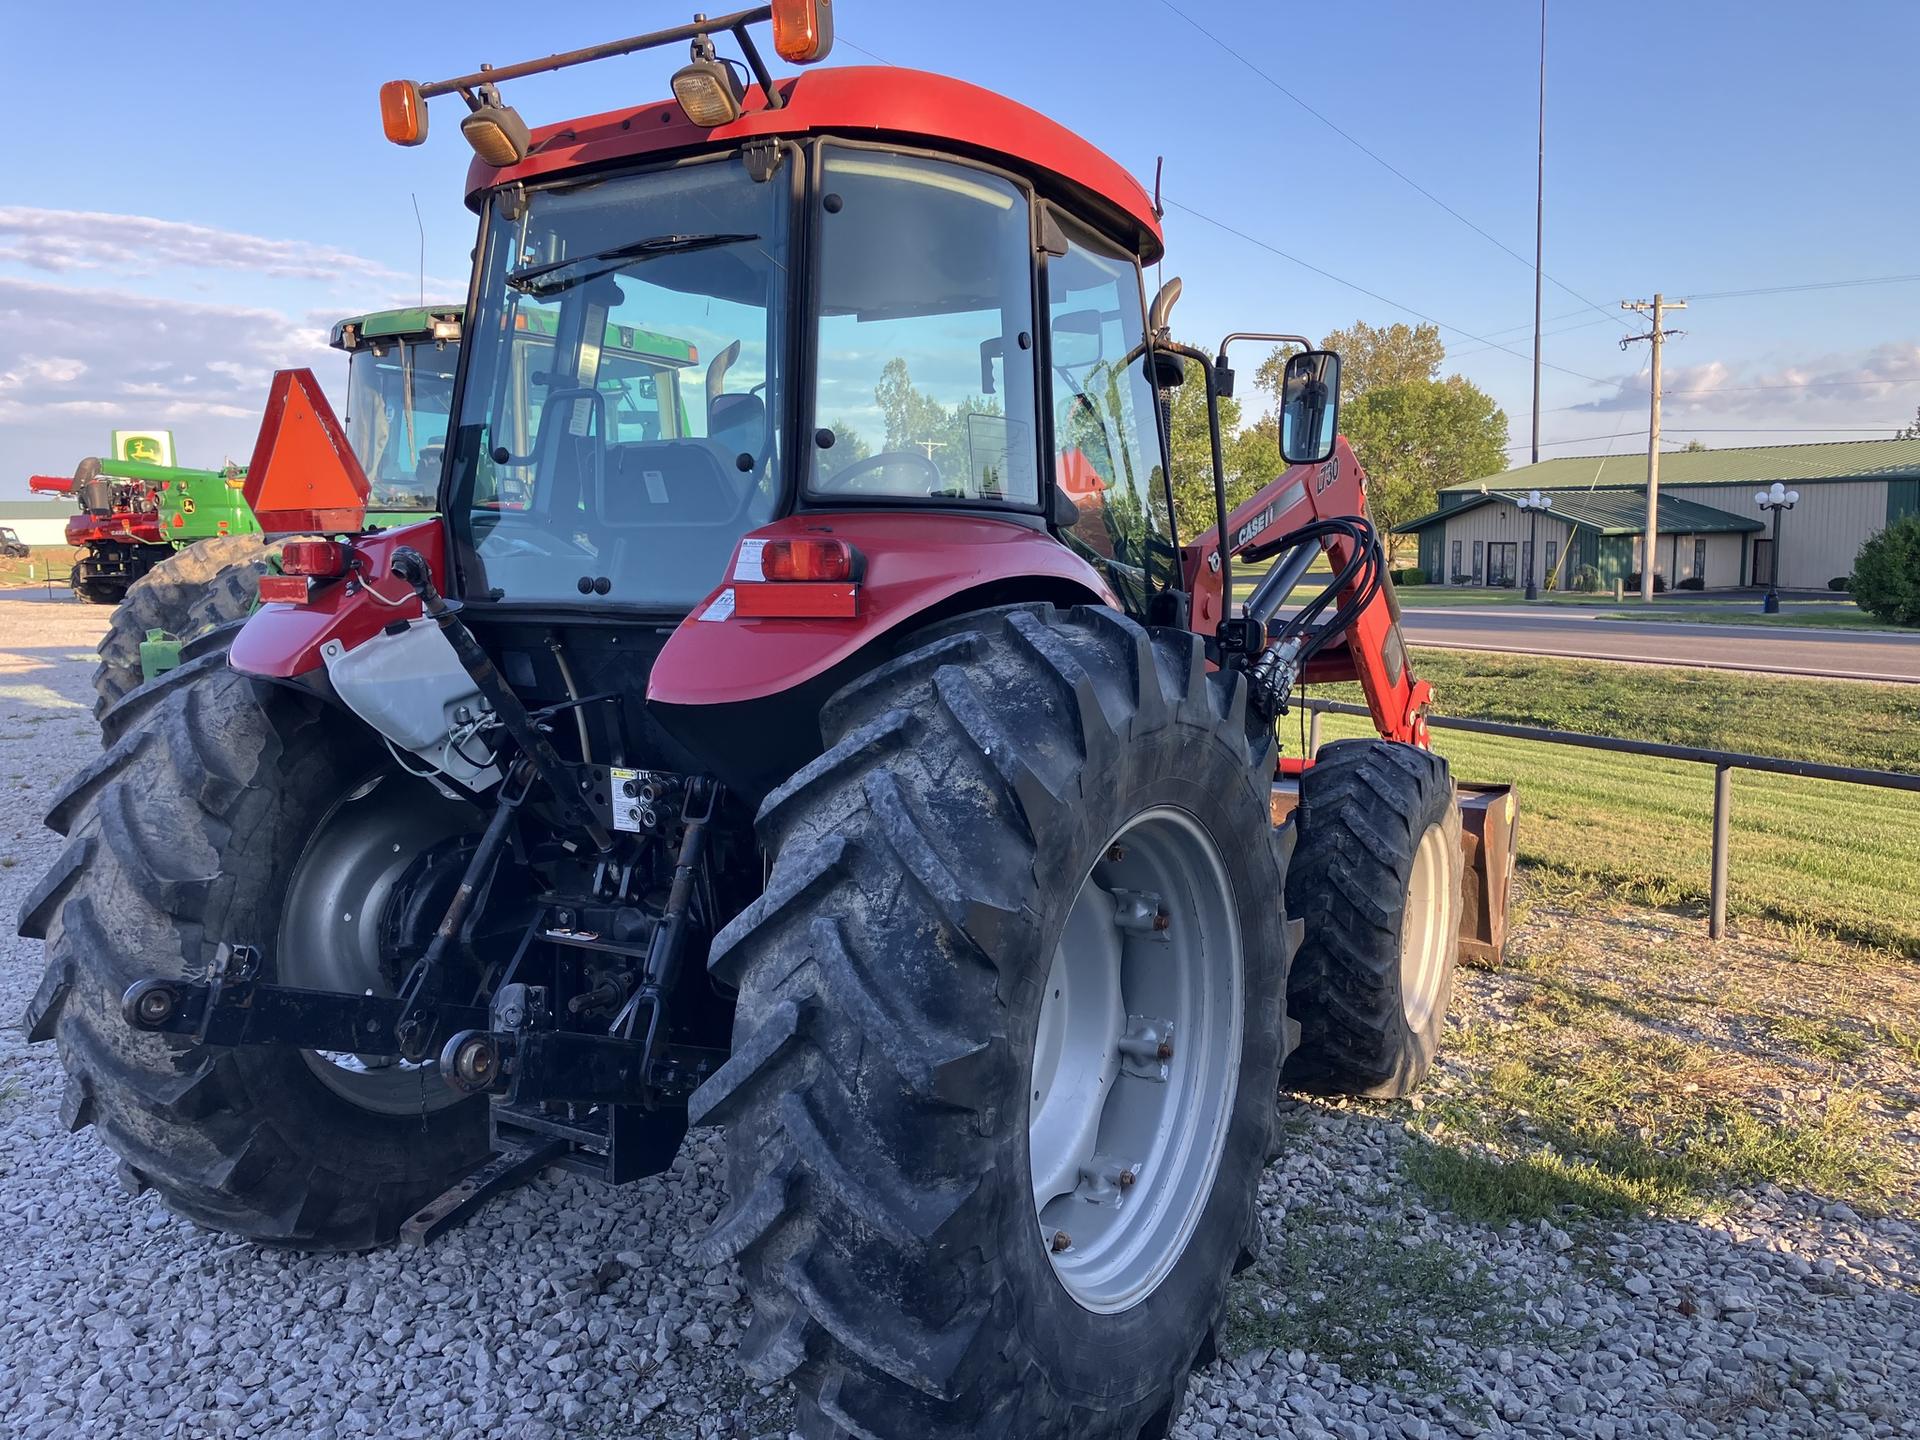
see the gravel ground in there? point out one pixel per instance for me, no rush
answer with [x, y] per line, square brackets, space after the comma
[572, 1309]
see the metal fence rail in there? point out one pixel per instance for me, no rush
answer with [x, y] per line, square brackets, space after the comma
[1724, 763]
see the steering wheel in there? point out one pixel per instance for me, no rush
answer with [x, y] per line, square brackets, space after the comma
[856, 479]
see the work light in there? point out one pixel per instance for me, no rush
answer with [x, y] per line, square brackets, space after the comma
[497, 133]
[709, 93]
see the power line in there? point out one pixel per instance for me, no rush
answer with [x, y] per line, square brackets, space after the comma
[1383, 162]
[1810, 285]
[1376, 295]
[866, 52]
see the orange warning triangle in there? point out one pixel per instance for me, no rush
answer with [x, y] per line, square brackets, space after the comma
[304, 475]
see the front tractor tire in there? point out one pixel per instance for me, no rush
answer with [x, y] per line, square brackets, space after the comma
[204, 585]
[1377, 879]
[201, 823]
[1011, 1018]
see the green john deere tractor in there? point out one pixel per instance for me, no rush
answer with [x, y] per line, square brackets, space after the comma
[399, 385]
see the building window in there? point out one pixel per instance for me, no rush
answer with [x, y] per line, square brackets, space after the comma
[1456, 574]
[1526, 562]
[1551, 579]
[1479, 560]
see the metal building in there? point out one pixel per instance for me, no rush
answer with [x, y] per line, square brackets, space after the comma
[1711, 534]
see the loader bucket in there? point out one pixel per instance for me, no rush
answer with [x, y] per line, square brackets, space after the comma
[1489, 815]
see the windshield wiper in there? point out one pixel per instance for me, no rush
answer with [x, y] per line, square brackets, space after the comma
[547, 279]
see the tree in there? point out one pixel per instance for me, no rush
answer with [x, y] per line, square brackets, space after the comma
[1414, 437]
[1693, 447]
[1250, 455]
[1909, 432]
[1886, 572]
[1370, 357]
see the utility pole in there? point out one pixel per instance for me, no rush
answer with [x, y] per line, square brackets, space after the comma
[1539, 228]
[1656, 337]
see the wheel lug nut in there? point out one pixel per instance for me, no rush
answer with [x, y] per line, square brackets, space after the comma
[1061, 1240]
[1165, 1050]
[1125, 1179]
[1116, 852]
[1162, 920]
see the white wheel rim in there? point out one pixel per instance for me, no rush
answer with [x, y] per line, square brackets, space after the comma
[1124, 1141]
[1427, 929]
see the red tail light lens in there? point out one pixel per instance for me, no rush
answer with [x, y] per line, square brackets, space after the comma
[320, 559]
[807, 559]
[286, 589]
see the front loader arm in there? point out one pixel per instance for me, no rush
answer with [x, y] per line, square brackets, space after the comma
[1371, 649]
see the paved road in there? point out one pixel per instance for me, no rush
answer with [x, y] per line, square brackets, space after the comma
[1840, 654]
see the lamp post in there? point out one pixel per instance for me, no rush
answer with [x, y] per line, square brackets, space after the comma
[1533, 502]
[1777, 499]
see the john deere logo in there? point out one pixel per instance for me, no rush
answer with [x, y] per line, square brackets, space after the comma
[144, 448]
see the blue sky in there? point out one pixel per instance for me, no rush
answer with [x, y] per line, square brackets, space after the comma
[197, 199]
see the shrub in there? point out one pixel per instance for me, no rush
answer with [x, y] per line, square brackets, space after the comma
[1886, 573]
[1659, 581]
[1410, 575]
[1842, 583]
[1586, 579]
[1692, 582]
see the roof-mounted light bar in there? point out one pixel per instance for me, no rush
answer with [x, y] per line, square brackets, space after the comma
[802, 34]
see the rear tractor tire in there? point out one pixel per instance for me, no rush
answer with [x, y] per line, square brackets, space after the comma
[1377, 879]
[231, 810]
[207, 584]
[1011, 1017]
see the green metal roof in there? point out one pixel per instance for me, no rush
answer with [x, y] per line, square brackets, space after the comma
[384, 324]
[1611, 512]
[1743, 465]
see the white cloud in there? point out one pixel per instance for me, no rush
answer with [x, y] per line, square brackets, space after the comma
[62, 241]
[1862, 385]
[76, 363]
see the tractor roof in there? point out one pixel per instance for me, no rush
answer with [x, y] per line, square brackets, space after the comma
[863, 102]
[387, 324]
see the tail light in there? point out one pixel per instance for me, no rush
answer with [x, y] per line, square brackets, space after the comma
[320, 559]
[805, 578]
[807, 559]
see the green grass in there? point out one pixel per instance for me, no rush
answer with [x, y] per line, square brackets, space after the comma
[1815, 614]
[1835, 614]
[1842, 860]
[54, 560]
[1371, 1301]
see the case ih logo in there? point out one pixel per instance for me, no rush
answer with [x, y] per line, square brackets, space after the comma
[1254, 526]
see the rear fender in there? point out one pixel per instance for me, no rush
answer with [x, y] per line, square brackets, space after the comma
[280, 642]
[913, 564]
[745, 694]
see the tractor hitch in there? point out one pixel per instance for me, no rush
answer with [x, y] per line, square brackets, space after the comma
[232, 1007]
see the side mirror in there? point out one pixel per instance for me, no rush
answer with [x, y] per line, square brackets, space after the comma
[1309, 407]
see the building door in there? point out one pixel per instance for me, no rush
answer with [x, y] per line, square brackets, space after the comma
[1763, 562]
[1700, 559]
[1501, 562]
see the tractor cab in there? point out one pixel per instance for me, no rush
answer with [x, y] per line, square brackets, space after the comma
[930, 329]
[400, 366]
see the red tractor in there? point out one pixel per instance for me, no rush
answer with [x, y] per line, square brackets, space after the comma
[802, 759]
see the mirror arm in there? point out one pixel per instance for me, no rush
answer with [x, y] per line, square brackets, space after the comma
[1225, 371]
[1221, 548]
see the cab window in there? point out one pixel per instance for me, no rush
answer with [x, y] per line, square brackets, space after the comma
[1106, 438]
[925, 387]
